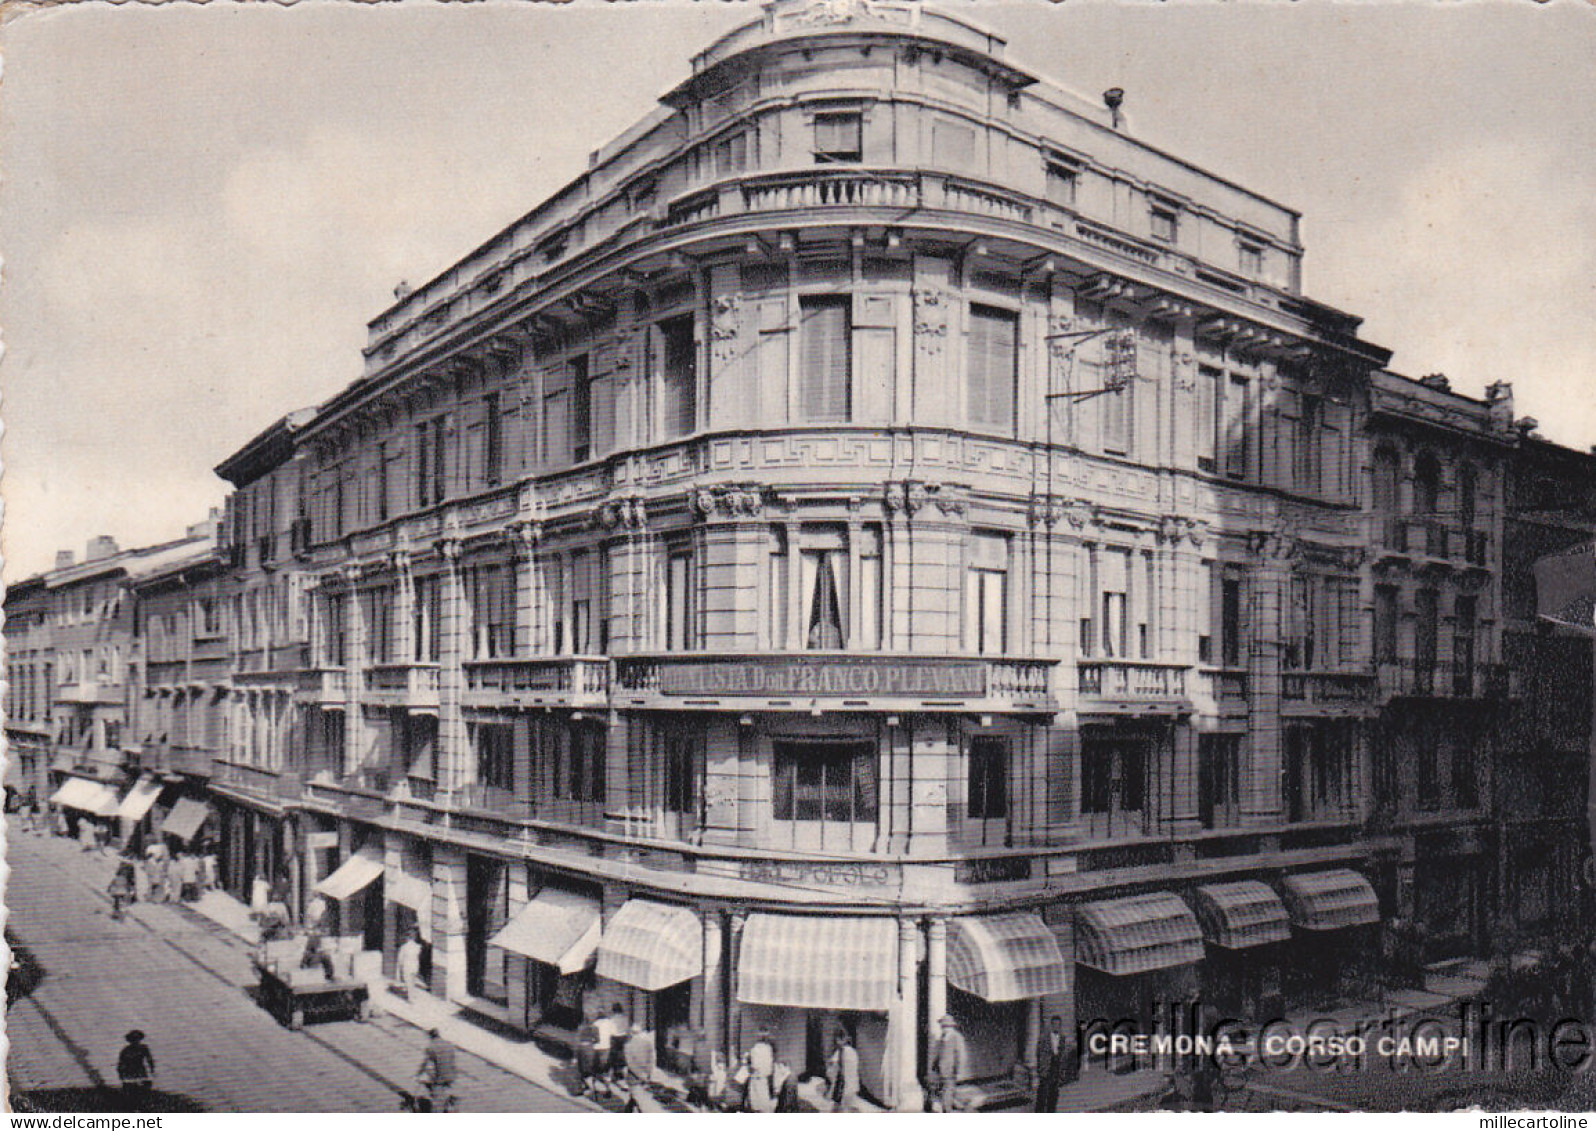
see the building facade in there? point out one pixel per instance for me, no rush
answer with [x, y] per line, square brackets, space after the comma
[882, 543]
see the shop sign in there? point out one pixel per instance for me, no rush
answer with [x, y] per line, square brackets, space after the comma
[321, 840]
[802, 872]
[815, 677]
[993, 870]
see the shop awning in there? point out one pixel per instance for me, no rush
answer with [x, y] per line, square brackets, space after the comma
[1005, 957]
[353, 875]
[835, 962]
[1137, 933]
[1328, 901]
[1242, 914]
[13, 779]
[186, 818]
[557, 927]
[651, 945]
[63, 762]
[139, 800]
[88, 796]
[414, 892]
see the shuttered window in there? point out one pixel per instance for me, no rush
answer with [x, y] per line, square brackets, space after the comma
[993, 367]
[679, 379]
[825, 379]
[581, 410]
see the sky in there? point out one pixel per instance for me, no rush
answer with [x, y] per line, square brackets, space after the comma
[203, 205]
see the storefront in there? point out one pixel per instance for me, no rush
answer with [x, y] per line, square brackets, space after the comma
[184, 823]
[801, 978]
[1134, 954]
[407, 887]
[1333, 915]
[86, 803]
[1245, 927]
[355, 886]
[654, 950]
[1000, 971]
[556, 936]
[134, 810]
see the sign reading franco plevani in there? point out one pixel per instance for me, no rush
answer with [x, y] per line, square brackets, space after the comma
[817, 676]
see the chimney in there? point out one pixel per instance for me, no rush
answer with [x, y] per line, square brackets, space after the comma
[64, 559]
[1114, 98]
[1499, 396]
[1436, 381]
[100, 546]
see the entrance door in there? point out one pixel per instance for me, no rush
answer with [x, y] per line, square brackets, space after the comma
[487, 910]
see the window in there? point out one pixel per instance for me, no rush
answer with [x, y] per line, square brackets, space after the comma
[825, 379]
[431, 459]
[731, 154]
[993, 368]
[1302, 620]
[1464, 618]
[1218, 779]
[1235, 427]
[336, 637]
[870, 588]
[1249, 258]
[377, 609]
[583, 775]
[496, 755]
[1385, 624]
[1426, 629]
[824, 780]
[1116, 416]
[491, 594]
[986, 595]
[987, 794]
[779, 606]
[1427, 740]
[1465, 784]
[1062, 182]
[1114, 577]
[418, 744]
[1207, 423]
[823, 581]
[379, 487]
[679, 377]
[425, 614]
[680, 607]
[1164, 220]
[1318, 769]
[1308, 453]
[584, 588]
[1114, 771]
[681, 772]
[838, 138]
[581, 409]
[556, 415]
[492, 440]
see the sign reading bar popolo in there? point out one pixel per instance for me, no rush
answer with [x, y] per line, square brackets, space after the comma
[816, 676]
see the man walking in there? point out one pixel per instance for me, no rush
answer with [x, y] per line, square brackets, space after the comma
[1050, 1059]
[948, 1064]
[135, 1064]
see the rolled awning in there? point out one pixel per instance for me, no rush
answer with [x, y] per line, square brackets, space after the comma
[86, 796]
[1137, 933]
[651, 945]
[1328, 901]
[186, 818]
[1242, 914]
[139, 800]
[556, 927]
[353, 875]
[835, 962]
[1005, 957]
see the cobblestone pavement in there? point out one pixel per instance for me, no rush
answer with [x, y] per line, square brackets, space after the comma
[81, 980]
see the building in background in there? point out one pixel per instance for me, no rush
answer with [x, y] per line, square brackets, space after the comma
[883, 542]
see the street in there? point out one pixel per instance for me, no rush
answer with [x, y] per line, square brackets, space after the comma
[80, 980]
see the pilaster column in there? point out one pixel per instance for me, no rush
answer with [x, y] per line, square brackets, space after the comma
[733, 1042]
[454, 625]
[402, 638]
[711, 1013]
[354, 671]
[902, 1083]
[936, 975]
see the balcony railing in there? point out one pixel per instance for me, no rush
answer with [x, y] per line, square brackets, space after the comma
[1131, 683]
[1433, 538]
[323, 685]
[89, 692]
[1222, 684]
[258, 780]
[1328, 688]
[403, 685]
[172, 758]
[1443, 680]
[804, 680]
[568, 681]
[491, 799]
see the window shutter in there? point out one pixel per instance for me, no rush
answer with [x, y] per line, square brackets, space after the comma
[993, 341]
[824, 377]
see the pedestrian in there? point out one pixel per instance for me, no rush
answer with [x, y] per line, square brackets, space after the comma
[188, 877]
[407, 963]
[155, 866]
[842, 1074]
[620, 1028]
[948, 1064]
[761, 1070]
[86, 838]
[1050, 1064]
[135, 1064]
[437, 1071]
[589, 1060]
[121, 889]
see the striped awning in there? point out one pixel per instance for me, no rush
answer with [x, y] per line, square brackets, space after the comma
[139, 800]
[353, 875]
[86, 796]
[1137, 933]
[651, 945]
[557, 927]
[186, 818]
[1328, 901]
[1005, 957]
[1241, 914]
[815, 962]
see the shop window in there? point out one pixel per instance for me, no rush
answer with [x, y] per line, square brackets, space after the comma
[824, 780]
[1218, 779]
[986, 595]
[987, 792]
[839, 138]
[678, 377]
[825, 378]
[495, 745]
[993, 369]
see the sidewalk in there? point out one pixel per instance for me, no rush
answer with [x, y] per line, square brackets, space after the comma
[425, 1011]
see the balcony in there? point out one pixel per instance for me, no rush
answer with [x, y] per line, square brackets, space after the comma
[402, 685]
[1431, 539]
[174, 758]
[480, 798]
[1317, 690]
[90, 693]
[768, 681]
[323, 686]
[1223, 686]
[543, 681]
[258, 780]
[1420, 679]
[1126, 686]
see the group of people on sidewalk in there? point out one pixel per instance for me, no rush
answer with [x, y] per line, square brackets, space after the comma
[161, 878]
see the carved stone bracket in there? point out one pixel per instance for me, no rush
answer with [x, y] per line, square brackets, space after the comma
[448, 549]
[930, 318]
[399, 560]
[738, 500]
[725, 325]
[1273, 545]
[524, 538]
[629, 513]
[1175, 529]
